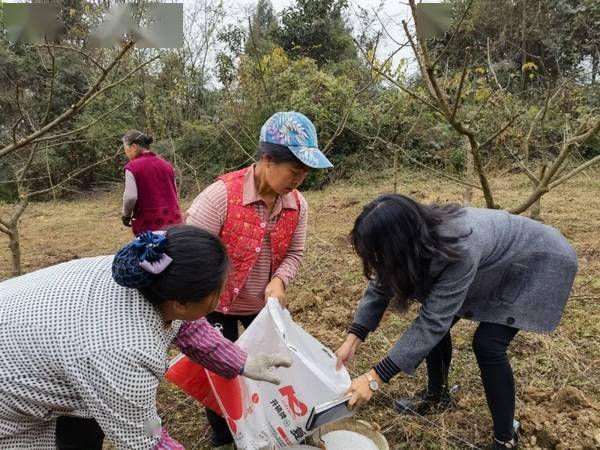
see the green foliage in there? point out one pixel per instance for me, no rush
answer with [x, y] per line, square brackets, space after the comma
[530, 42]
[263, 27]
[307, 61]
[316, 29]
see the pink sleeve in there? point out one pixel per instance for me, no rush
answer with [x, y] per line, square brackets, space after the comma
[209, 208]
[207, 346]
[288, 268]
[166, 442]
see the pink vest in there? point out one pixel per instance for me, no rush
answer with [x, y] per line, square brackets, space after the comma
[157, 207]
[243, 233]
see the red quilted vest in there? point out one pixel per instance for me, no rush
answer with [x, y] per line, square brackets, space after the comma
[157, 207]
[243, 233]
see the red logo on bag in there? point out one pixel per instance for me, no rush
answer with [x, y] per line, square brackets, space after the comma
[296, 406]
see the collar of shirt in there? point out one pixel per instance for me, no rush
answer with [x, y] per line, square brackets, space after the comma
[251, 194]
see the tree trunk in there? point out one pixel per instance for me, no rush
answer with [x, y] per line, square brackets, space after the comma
[536, 209]
[14, 244]
[14, 241]
[469, 170]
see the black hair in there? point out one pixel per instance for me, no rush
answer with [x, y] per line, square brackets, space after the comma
[137, 137]
[277, 153]
[199, 268]
[397, 238]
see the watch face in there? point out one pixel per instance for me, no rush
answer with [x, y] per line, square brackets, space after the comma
[373, 385]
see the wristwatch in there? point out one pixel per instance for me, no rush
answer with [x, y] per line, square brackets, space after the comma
[373, 384]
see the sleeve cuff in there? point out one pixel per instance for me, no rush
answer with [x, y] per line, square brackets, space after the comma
[282, 277]
[387, 369]
[359, 331]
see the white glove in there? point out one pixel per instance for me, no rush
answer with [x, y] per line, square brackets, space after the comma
[260, 367]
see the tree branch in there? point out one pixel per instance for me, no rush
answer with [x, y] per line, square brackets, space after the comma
[258, 64]
[21, 118]
[528, 172]
[420, 63]
[235, 140]
[501, 130]
[119, 81]
[462, 18]
[493, 72]
[544, 185]
[51, 93]
[4, 229]
[428, 74]
[460, 88]
[395, 83]
[84, 54]
[346, 113]
[574, 172]
[23, 171]
[74, 109]
[344, 119]
[538, 116]
[68, 133]
[567, 148]
[416, 161]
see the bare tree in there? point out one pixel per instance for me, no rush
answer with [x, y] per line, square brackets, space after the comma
[47, 130]
[551, 171]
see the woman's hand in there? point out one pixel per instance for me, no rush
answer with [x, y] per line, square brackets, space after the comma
[276, 288]
[261, 367]
[360, 390]
[345, 354]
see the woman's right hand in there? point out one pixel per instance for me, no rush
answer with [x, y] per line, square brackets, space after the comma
[261, 367]
[345, 354]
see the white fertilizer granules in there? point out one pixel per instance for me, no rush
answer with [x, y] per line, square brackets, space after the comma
[347, 440]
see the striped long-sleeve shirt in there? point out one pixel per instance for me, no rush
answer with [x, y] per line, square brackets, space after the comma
[73, 342]
[209, 211]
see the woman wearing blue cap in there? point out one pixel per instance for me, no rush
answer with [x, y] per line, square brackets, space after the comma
[85, 343]
[261, 218]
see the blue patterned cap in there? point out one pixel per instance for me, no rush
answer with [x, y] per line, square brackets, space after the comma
[297, 132]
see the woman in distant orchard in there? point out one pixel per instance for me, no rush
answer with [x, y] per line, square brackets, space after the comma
[506, 272]
[85, 343]
[261, 218]
[150, 198]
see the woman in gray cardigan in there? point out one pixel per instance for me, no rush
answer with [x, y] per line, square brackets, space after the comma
[507, 272]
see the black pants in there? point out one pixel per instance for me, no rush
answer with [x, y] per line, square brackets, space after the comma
[228, 325]
[489, 345]
[75, 433]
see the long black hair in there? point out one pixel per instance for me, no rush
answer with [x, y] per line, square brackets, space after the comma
[397, 238]
[199, 268]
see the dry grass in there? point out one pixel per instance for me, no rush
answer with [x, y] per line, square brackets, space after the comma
[558, 380]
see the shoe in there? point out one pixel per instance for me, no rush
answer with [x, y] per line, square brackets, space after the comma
[512, 444]
[424, 403]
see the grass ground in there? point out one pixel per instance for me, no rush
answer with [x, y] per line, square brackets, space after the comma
[557, 376]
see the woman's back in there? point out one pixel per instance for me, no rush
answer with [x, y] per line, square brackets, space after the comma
[500, 238]
[157, 205]
[71, 339]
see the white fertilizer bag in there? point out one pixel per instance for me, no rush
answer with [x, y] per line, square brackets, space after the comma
[270, 416]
